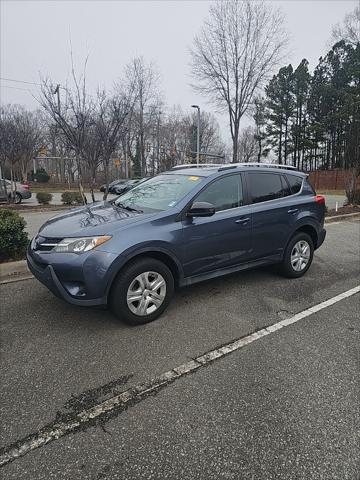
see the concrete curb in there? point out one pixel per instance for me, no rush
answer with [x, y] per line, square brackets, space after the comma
[14, 271]
[338, 218]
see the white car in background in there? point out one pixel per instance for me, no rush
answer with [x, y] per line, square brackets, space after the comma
[22, 191]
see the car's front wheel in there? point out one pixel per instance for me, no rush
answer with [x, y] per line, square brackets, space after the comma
[298, 256]
[142, 291]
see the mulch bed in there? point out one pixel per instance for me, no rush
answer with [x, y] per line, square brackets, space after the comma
[344, 210]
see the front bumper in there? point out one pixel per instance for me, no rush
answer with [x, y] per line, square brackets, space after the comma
[46, 274]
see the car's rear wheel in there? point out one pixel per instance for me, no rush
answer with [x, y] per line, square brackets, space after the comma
[17, 199]
[142, 291]
[298, 256]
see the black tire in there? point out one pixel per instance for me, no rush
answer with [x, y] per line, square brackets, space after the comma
[286, 267]
[118, 295]
[18, 198]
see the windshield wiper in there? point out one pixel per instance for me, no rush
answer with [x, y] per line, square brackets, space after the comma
[129, 209]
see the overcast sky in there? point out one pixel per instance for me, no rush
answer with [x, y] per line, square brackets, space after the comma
[35, 39]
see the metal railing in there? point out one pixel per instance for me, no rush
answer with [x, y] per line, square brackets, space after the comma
[266, 165]
[194, 165]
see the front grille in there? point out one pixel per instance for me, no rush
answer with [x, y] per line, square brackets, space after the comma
[44, 244]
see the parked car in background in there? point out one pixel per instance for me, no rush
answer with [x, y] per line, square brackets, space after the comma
[22, 190]
[3, 191]
[112, 184]
[179, 228]
[121, 188]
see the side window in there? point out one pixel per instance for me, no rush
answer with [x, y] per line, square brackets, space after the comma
[308, 188]
[285, 186]
[266, 186]
[224, 193]
[295, 183]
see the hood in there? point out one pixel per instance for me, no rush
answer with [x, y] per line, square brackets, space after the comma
[100, 218]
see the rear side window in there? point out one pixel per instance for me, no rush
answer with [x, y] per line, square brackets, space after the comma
[308, 188]
[224, 193]
[295, 183]
[266, 186]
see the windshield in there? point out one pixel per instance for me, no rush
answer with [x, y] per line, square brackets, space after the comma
[159, 193]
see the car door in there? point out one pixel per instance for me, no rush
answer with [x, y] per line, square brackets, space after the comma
[223, 239]
[271, 213]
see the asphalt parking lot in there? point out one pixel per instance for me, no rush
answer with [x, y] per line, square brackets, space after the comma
[283, 407]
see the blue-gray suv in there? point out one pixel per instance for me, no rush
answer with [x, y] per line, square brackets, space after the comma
[176, 229]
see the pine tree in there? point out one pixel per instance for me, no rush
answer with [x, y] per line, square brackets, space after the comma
[259, 116]
[280, 109]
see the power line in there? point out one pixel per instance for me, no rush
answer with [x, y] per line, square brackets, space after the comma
[15, 88]
[20, 81]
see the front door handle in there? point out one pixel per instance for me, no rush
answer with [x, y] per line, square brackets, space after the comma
[242, 221]
[293, 210]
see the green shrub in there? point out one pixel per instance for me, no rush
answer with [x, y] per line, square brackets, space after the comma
[44, 198]
[40, 176]
[71, 198]
[13, 239]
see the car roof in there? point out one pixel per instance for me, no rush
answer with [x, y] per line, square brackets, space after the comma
[229, 167]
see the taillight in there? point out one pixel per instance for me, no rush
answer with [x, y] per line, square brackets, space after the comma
[320, 199]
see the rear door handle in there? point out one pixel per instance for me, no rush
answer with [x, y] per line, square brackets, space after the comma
[242, 221]
[293, 210]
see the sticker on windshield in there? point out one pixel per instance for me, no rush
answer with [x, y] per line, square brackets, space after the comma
[193, 179]
[171, 204]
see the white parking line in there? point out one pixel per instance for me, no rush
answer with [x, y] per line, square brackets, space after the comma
[135, 394]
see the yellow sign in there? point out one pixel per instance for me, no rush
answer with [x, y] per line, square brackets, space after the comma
[42, 151]
[117, 162]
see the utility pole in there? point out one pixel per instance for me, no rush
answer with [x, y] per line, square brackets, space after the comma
[158, 141]
[197, 134]
[57, 92]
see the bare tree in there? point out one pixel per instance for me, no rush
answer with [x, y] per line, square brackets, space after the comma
[112, 126]
[210, 137]
[9, 151]
[73, 114]
[56, 145]
[248, 148]
[349, 30]
[31, 138]
[20, 138]
[144, 78]
[235, 52]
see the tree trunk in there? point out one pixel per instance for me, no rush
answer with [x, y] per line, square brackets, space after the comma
[285, 142]
[106, 171]
[280, 147]
[235, 143]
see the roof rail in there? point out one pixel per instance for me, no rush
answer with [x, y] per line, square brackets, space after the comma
[195, 165]
[266, 165]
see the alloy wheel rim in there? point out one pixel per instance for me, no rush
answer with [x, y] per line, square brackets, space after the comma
[300, 255]
[146, 293]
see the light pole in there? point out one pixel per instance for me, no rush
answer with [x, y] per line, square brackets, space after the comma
[198, 134]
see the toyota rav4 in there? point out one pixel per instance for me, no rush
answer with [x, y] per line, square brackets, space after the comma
[176, 229]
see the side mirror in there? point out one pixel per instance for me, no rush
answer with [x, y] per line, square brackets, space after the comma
[201, 209]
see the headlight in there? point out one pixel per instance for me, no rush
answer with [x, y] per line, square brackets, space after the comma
[81, 244]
